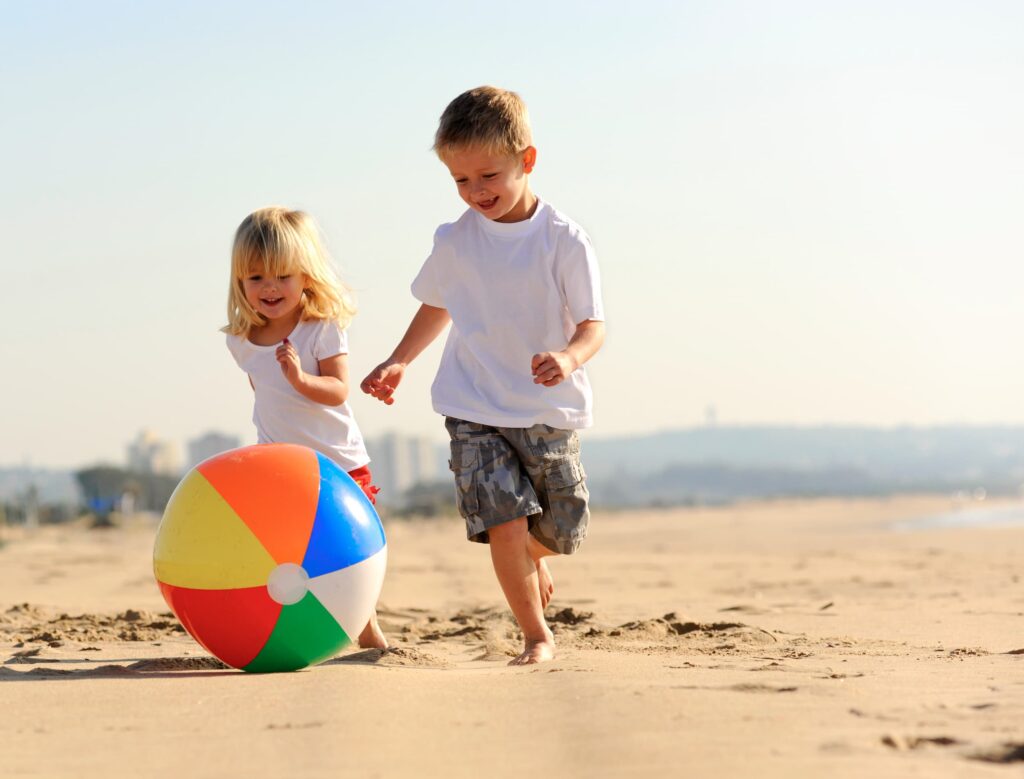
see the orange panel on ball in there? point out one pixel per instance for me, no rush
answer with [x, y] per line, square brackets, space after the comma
[274, 488]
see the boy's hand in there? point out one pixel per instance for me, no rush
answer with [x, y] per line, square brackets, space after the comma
[382, 381]
[551, 368]
[288, 359]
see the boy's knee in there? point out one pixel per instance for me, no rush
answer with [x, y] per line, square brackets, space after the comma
[538, 550]
[515, 530]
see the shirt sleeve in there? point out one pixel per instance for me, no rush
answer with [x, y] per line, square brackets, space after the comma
[580, 279]
[425, 287]
[234, 344]
[330, 341]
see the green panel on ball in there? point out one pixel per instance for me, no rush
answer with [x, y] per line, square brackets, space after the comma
[305, 634]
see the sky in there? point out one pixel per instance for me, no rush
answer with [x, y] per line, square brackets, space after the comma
[805, 212]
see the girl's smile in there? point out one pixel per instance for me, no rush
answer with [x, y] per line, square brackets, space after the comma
[272, 296]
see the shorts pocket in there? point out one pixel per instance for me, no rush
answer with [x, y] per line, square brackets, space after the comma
[564, 475]
[464, 464]
[563, 526]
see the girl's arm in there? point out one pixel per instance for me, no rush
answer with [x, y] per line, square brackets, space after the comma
[426, 325]
[330, 388]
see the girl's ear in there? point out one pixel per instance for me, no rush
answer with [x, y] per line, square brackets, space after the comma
[529, 159]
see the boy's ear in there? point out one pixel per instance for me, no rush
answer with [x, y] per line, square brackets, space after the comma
[529, 159]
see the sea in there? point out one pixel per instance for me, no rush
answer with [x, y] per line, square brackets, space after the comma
[1002, 514]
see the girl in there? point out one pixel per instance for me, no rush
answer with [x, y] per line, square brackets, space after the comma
[287, 311]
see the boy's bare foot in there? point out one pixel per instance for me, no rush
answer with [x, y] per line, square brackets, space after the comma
[545, 582]
[537, 651]
[372, 636]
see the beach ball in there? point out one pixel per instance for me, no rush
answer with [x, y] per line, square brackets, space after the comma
[271, 556]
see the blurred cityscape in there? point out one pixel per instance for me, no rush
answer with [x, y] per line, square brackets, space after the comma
[409, 470]
[399, 462]
[705, 465]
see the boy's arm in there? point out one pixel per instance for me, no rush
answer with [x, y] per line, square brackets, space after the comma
[426, 325]
[551, 368]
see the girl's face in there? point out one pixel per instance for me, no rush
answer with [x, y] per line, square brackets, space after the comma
[275, 297]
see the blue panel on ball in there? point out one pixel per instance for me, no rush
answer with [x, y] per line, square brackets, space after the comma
[347, 529]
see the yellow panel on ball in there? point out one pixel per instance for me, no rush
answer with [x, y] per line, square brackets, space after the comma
[203, 544]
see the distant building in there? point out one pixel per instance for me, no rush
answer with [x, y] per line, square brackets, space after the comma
[710, 416]
[149, 454]
[399, 462]
[209, 444]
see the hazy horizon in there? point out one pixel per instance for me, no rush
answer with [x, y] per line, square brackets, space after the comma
[804, 213]
[594, 437]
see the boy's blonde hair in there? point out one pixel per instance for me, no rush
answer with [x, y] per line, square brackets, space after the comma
[486, 117]
[277, 241]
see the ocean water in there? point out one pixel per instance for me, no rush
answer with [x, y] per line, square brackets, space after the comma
[967, 516]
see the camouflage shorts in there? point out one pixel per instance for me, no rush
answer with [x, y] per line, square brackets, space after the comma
[503, 473]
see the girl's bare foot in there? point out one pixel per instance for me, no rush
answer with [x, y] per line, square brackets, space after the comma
[537, 651]
[372, 636]
[545, 582]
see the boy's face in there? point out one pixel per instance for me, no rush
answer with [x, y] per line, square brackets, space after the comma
[496, 185]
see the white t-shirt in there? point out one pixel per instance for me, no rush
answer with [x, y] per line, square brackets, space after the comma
[281, 414]
[513, 290]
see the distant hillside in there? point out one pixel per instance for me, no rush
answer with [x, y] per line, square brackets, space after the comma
[712, 464]
[720, 464]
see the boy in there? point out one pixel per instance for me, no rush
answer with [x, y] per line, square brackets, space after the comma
[519, 283]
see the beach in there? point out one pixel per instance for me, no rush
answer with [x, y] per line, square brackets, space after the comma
[803, 638]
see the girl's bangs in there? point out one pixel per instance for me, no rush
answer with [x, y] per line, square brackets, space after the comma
[279, 260]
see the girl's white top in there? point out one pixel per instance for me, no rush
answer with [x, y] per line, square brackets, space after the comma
[513, 290]
[283, 415]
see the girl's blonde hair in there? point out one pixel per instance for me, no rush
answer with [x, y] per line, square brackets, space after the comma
[277, 241]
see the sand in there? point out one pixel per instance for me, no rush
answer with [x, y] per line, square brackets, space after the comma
[783, 639]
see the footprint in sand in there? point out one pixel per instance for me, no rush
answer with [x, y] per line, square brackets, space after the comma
[906, 743]
[759, 688]
[1011, 752]
[393, 656]
[138, 668]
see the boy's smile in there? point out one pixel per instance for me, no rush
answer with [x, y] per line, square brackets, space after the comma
[495, 185]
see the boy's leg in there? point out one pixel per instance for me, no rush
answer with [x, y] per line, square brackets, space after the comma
[494, 495]
[550, 458]
[545, 582]
[517, 573]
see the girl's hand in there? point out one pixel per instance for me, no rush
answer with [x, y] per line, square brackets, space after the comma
[551, 368]
[382, 381]
[288, 359]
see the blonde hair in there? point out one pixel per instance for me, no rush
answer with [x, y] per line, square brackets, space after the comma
[279, 241]
[487, 117]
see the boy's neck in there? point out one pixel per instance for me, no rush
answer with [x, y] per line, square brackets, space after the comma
[523, 210]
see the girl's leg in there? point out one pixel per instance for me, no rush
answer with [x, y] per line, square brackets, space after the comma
[372, 636]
